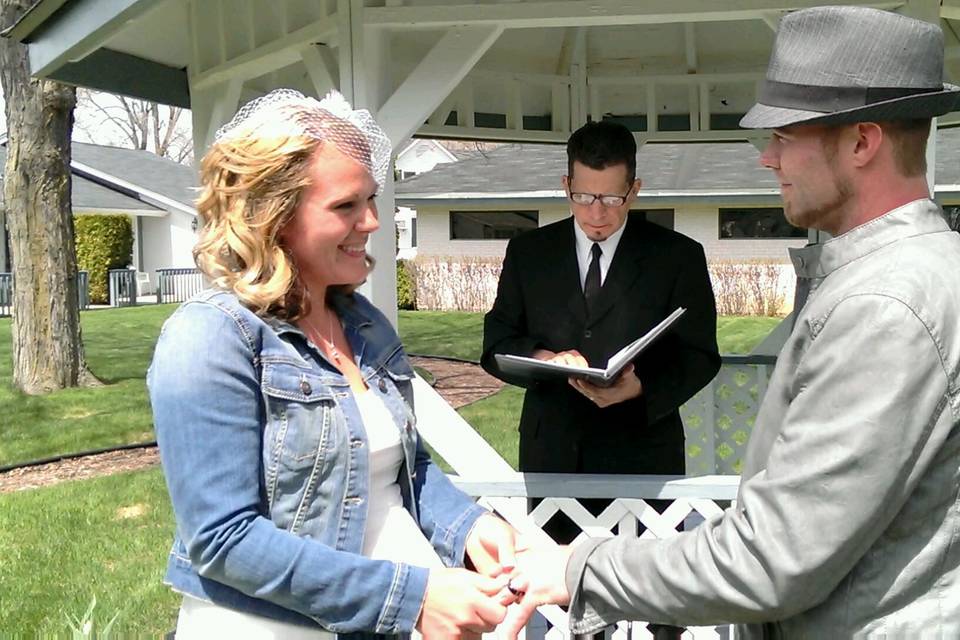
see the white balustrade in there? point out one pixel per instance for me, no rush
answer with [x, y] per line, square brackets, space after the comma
[482, 473]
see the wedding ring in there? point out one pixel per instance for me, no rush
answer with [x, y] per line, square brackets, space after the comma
[513, 589]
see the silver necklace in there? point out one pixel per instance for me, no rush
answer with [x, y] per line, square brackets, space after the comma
[332, 350]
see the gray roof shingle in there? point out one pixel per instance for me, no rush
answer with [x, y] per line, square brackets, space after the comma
[662, 167]
[142, 168]
[90, 195]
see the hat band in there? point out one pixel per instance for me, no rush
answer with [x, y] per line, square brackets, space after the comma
[811, 97]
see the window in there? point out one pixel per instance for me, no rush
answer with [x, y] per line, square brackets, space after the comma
[952, 213]
[757, 223]
[491, 225]
[662, 217]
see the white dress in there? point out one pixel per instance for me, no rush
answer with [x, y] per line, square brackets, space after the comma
[390, 534]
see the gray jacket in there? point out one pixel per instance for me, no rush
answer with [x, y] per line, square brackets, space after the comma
[847, 522]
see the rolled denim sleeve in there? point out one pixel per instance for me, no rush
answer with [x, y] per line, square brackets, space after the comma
[862, 429]
[209, 416]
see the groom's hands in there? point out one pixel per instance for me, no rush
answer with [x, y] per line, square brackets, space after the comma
[540, 578]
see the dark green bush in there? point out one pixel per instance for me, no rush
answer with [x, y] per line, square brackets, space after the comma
[103, 243]
[406, 286]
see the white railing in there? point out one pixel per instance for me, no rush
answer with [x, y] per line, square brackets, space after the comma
[482, 473]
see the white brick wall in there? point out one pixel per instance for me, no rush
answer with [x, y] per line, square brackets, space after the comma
[698, 222]
[702, 224]
[433, 231]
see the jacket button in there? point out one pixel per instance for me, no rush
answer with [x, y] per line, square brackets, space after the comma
[588, 334]
[382, 385]
[305, 387]
[409, 426]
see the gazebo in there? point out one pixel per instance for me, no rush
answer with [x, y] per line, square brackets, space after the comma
[677, 70]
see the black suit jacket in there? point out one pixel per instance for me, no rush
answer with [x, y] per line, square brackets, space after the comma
[540, 305]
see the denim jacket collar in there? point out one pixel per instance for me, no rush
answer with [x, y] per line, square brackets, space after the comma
[370, 345]
[914, 218]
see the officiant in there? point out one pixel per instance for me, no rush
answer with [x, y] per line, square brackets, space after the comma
[577, 291]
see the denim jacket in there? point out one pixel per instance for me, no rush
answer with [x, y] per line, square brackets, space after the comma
[847, 523]
[265, 458]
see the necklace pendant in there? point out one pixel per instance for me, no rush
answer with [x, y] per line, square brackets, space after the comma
[334, 352]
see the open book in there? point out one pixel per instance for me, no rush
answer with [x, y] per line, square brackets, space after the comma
[542, 370]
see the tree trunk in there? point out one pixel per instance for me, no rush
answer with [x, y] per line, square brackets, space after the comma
[47, 345]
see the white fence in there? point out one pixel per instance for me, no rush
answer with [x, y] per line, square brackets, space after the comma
[481, 472]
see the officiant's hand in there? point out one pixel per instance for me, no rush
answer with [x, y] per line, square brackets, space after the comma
[571, 357]
[626, 387]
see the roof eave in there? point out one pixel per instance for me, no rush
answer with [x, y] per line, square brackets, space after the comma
[32, 19]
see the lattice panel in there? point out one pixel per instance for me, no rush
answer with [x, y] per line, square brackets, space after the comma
[729, 405]
[626, 515]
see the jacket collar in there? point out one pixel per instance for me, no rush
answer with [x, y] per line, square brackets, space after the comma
[919, 217]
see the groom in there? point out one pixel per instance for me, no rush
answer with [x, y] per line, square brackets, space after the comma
[847, 522]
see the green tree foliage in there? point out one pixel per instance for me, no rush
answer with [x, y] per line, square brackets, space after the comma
[406, 286]
[103, 243]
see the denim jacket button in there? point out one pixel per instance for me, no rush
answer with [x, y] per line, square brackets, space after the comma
[382, 385]
[305, 387]
[409, 426]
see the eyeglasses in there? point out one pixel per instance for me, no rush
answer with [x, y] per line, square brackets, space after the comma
[587, 199]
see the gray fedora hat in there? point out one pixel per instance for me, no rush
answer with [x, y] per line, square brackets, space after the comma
[837, 65]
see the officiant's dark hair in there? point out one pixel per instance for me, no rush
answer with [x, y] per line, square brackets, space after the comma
[603, 144]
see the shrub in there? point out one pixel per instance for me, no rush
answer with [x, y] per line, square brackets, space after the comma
[753, 288]
[406, 286]
[456, 283]
[103, 243]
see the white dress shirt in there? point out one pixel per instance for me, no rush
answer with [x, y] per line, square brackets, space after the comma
[608, 247]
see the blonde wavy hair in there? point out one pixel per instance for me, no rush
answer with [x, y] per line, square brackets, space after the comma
[251, 189]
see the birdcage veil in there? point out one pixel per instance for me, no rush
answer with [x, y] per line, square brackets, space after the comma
[286, 112]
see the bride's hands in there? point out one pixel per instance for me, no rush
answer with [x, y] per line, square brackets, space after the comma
[461, 603]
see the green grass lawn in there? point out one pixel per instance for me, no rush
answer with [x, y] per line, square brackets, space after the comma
[108, 537]
[119, 344]
[457, 334]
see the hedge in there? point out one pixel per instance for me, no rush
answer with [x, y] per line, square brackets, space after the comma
[406, 287]
[103, 243]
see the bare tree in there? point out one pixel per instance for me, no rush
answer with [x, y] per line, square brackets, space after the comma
[133, 123]
[47, 345]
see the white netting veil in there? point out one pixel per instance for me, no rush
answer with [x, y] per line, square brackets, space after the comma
[285, 112]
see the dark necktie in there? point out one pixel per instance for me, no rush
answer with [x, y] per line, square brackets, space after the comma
[591, 286]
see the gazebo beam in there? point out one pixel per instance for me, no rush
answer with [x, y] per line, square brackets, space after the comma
[83, 27]
[322, 67]
[268, 57]
[586, 12]
[950, 9]
[438, 74]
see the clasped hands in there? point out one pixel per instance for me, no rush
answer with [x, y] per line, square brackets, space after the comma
[625, 387]
[509, 571]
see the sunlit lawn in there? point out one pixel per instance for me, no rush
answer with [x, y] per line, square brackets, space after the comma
[118, 345]
[106, 537]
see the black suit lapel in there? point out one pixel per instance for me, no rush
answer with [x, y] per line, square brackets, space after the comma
[626, 267]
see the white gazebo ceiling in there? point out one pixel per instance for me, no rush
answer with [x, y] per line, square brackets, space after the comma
[677, 69]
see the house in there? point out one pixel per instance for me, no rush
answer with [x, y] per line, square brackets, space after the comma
[420, 155]
[716, 193]
[156, 193]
